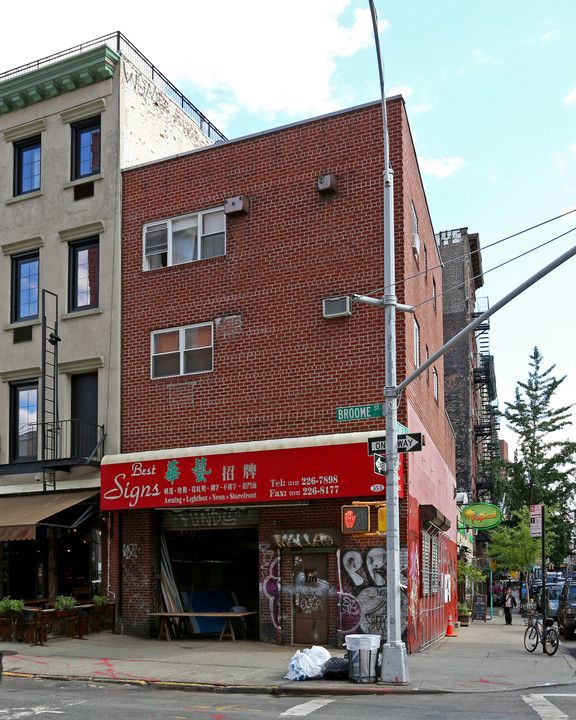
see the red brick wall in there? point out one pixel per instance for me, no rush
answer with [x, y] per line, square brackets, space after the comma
[280, 368]
[286, 370]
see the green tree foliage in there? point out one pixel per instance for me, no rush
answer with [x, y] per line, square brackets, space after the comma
[543, 469]
[512, 546]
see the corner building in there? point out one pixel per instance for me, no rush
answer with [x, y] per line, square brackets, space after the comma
[239, 346]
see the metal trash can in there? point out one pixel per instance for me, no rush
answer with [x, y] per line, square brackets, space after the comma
[363, 653]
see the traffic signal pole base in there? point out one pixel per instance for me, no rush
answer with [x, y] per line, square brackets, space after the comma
[394, 663]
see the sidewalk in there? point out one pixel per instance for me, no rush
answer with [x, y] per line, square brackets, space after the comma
[484, 657]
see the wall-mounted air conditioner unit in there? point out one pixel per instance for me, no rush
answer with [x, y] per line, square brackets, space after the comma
[238, 205]
[327, 184]
[461, 498]
[416, 243]
[337, 307]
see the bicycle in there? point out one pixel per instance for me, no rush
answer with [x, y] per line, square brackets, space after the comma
[537, 633]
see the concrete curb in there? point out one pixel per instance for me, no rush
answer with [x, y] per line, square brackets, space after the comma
[300, 689]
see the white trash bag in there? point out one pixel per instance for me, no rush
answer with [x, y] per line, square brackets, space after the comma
[307, 664]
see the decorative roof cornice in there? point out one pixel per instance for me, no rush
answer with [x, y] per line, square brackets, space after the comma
[62, 77]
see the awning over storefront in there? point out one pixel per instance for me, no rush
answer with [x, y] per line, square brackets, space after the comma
[19, 514]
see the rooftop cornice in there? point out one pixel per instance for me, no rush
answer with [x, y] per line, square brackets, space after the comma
[69, 74]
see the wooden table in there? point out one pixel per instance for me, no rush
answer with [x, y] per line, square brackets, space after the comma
[175, 621]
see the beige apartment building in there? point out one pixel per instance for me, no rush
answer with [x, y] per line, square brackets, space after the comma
[68, 124]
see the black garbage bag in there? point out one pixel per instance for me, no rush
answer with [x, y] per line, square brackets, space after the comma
[335, 669]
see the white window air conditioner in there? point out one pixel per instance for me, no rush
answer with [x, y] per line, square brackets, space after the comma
[337, 307]
[416, 243]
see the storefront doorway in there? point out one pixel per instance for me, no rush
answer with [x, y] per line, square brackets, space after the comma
[311, 598]
[214, 561]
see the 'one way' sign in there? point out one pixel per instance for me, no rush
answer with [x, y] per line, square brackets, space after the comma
[410, 442]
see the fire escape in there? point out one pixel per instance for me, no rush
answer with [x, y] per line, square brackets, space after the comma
[60, 444]
[487, 425]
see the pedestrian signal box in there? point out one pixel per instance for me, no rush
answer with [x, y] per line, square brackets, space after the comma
[382, 519]
[355, 518]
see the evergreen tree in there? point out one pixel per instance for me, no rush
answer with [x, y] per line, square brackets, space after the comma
[543, 469]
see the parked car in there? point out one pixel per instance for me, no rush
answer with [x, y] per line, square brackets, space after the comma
[567, 610]
[553, 593]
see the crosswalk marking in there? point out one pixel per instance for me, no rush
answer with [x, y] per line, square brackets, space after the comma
[305, 708]
[544, 708]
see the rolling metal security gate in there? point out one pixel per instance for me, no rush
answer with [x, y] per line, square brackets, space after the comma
[436, 585]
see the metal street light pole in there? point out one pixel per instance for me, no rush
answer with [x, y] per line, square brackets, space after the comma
[394, 661]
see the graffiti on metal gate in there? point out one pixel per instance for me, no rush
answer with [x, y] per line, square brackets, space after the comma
[270, 580]
[363, 604]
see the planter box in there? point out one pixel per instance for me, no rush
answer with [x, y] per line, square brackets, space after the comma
[464, 620]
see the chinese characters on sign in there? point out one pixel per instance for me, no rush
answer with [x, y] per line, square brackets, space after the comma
[300, 473]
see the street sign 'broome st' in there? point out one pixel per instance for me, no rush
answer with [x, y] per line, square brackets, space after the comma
[360, 412]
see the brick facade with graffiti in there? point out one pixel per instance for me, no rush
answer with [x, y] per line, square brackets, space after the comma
[232, 377]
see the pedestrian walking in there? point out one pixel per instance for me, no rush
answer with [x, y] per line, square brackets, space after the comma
[509, 603]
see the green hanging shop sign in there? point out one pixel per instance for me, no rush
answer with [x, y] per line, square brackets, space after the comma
[481, 515]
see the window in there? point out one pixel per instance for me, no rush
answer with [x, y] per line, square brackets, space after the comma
[435, 383]
[414, 220]
[182, 351]
[416, 343]
[426, 356]
[185, 239]
[27, 165]
[23, 421]
[434, 293]
[430, 563]
[83, 264]
[25, 286]
[85, 148]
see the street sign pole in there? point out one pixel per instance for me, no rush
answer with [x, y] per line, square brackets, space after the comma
[394, 659]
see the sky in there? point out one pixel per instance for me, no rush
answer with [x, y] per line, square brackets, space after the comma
[490, 91]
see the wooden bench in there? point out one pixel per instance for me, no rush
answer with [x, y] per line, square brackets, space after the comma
[175, 621]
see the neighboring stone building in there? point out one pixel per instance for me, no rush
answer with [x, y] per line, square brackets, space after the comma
[68, 124]
[239, 345]
[470, 381]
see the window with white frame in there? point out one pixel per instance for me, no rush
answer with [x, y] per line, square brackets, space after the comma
[435, 383]
[185, 239]
[182, 351]
[416, 343]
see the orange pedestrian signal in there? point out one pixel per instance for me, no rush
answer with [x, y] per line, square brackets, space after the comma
[382, 519]
[355, 518]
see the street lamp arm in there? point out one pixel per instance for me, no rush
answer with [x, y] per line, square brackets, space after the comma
[367, 300]
[481, 318]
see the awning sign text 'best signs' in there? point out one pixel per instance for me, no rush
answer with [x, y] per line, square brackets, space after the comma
[277, 475]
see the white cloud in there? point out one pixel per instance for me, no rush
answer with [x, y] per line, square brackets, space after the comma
[551, 36]
[441, 168]
[264, 57]
[405, 90]
[477, 59]
[571, 97]
[420, 108]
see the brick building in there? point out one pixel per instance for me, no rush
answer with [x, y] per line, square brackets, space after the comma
[235, 464]
[469, 375]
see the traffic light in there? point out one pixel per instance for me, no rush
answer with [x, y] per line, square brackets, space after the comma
[355, 518]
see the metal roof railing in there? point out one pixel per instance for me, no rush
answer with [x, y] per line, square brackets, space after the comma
[124, 47]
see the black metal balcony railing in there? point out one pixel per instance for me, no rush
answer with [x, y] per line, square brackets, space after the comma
[62, 442]
[123, 46]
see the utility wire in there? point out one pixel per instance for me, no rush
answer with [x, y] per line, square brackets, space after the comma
[496, 267]
[470, 254]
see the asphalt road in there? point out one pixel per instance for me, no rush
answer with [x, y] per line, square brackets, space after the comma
[22, 698]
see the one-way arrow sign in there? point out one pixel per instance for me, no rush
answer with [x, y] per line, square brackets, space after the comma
[410, 442]
[380, 465]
